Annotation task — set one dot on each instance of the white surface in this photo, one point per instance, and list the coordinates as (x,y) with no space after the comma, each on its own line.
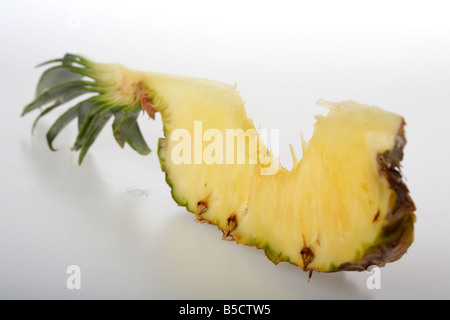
(114,216)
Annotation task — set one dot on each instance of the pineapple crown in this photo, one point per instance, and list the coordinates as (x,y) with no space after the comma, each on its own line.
(73,76)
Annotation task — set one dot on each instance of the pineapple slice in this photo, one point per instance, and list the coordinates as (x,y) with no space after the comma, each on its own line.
(343,206)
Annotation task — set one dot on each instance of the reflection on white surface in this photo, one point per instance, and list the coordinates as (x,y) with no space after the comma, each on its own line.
(136,246)
(141,245)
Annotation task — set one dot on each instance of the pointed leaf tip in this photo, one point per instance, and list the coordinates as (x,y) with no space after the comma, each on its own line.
(122,125)
(136,141)
(93,130)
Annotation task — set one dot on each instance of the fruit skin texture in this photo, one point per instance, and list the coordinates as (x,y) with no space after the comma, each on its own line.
(344,205)
(398,232)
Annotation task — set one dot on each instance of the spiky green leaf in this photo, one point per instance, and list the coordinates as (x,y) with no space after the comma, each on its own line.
(69,59)
(67,97)
(58,92)
(85,109)
(122,125)
(136,140)
(55,76)
(66,118)
(88,122)
(92,132)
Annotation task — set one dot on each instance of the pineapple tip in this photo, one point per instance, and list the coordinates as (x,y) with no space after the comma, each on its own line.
(327,104)
(304,143)
(294,156)
(24,110)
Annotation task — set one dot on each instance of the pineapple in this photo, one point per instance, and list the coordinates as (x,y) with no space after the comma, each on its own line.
(343,206)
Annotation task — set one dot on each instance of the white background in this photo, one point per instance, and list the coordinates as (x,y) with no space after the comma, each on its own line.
(114,216)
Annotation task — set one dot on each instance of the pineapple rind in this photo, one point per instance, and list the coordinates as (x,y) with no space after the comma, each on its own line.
(397,233)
